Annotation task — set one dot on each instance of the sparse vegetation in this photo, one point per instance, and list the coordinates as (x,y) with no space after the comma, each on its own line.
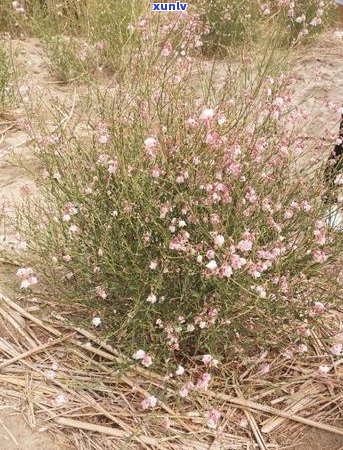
(240,22)
(6,78)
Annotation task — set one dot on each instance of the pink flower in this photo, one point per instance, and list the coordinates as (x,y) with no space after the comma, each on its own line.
(166,49)
(28,282)
(339,180)
(147,360)
(264,369)
(212,265)
(219,240)
(191,122)
(319,256)
(316,21)
(152,299)
(74,229)
(304,331)
(96,321)
(213,138)
(261,291)
(139,354)
(235,169)
(153,265)
(155,173)
(183,392)
(213,418)
(225,271)
(207,114)
(306,206)
(265,9)
(302,348)
(208,360)
(28,279)
(254,272)
(243,422)
(323,370)
(320,236)
(25,272)
(251,195)
(320,224)
(203,381)
(112,167)
(210,254)
(237,262)
(186,388)
(318,308)
(60,399)
(245,245)
(180,371)
(301,19)
(18,7)
(149,402)
(279,102)
(103,138)
(336,349)
(151,144)
(100,292)
(288,214)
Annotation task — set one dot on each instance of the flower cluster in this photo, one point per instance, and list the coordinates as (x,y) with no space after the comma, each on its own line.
(28,277)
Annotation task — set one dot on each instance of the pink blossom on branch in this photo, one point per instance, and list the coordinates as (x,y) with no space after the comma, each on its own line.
(213,418)
(149,402)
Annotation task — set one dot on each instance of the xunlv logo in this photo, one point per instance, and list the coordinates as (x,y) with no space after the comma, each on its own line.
(177,6)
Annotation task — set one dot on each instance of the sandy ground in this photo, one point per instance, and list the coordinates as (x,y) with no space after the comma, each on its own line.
(320,86)
(15,434)
(320,440)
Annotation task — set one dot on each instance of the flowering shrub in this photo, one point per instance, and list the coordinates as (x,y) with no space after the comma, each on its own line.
(182,222)
(78,36)
(232,23)
(73,59)
(22,16)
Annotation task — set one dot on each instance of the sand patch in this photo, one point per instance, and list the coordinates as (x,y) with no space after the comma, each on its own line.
(15,434)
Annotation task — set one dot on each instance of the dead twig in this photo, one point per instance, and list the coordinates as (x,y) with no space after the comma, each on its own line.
(35,350)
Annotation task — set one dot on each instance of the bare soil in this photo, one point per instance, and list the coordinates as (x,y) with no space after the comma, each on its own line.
(15,434)
(320,440)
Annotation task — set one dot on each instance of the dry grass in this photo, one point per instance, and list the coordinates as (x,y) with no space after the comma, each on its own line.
(104,390)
